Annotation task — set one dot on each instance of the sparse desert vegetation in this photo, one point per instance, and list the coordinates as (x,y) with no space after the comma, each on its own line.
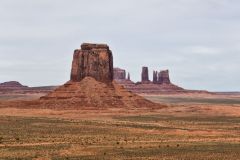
(175,132)
(161,83)
(186,99)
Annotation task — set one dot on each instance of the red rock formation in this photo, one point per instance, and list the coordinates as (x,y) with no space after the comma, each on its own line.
(92,60)
(91,84)
(92,93)
(145,76)
(119,73)
(12,85)
(161,84)
(128,77)
(155,77)
(164,77)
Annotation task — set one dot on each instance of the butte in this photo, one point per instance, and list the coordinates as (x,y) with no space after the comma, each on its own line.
(91,84)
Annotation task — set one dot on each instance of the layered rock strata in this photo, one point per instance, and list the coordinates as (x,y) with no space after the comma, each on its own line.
(119,74)
(91,84)
(164,77)
(92,60)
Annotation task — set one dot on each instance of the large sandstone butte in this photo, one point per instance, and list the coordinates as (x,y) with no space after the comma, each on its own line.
(92,60)
(91,84)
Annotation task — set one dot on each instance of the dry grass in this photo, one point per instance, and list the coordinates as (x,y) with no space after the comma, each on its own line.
(187,131)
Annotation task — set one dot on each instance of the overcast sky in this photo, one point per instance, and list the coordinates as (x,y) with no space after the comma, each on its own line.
(197,40)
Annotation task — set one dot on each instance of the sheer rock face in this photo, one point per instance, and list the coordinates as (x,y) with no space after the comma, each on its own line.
(164,77)
(92,60)
(119,74)
(145,76)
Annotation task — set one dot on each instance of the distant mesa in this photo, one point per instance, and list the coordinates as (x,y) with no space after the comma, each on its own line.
(91,83)
(12,86)
(160,84)
(119,74)
(161,77)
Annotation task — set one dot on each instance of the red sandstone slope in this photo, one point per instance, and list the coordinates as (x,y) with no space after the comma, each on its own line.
(92,93)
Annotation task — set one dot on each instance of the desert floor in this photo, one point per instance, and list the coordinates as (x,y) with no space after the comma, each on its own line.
(190,127)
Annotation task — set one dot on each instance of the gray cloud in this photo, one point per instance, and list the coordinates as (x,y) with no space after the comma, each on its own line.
(198,40)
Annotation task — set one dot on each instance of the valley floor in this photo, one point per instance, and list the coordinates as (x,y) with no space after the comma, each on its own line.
(188,131)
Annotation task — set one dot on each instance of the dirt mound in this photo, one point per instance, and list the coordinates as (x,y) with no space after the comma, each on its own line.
(92,93)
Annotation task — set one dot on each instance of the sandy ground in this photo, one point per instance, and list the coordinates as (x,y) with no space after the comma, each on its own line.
(189,125)
(176,109)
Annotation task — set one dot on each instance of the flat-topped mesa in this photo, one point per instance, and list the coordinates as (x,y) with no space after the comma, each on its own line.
(119,74)
(11,84)
(92,60)
(145,76)
(164,77)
